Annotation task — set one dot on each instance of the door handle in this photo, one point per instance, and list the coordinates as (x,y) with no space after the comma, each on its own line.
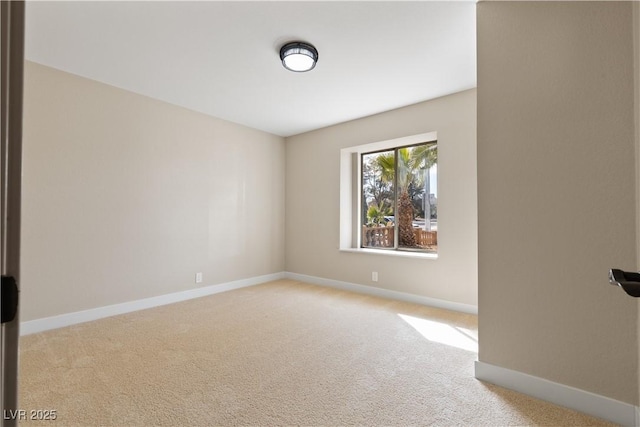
(9,298)
(627,280)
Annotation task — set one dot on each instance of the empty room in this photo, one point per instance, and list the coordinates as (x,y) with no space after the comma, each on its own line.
(320,213)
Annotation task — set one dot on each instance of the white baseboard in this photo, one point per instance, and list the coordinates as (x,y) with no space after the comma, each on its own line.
(54,322)
(68,319)
(384,293)
(580,400)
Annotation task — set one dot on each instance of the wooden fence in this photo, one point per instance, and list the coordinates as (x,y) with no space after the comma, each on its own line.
(426,238)
(382,237)
(378,237)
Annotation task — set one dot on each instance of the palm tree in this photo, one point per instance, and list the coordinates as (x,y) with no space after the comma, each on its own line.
(411,162)
(376,214)
(422,159)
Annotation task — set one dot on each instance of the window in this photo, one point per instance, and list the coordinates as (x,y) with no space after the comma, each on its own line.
(399,204)
(362,185)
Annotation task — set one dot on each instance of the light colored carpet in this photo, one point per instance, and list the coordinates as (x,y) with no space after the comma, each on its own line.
(282,353)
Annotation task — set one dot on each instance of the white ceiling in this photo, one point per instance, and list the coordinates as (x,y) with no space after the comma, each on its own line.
(221,58)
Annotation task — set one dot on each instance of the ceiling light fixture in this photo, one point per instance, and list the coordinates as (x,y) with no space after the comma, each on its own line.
(298,56)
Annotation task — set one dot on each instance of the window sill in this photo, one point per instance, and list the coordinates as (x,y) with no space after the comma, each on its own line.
(402,254)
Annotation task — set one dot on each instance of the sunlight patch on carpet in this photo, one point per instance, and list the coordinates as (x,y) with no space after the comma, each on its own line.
(442,333)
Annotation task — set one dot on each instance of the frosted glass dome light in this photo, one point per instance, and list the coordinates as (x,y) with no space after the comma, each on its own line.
(298,56)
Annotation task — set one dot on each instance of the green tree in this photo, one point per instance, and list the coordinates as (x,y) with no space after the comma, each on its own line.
(377,187)
(421,159)
(413,170)
(376,214)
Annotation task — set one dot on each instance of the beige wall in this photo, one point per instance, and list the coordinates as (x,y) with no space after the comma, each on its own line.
(556,192)
(125,197)
(313,202)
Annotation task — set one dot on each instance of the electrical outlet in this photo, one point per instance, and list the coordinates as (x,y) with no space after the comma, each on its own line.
(198,277)
(374,276)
